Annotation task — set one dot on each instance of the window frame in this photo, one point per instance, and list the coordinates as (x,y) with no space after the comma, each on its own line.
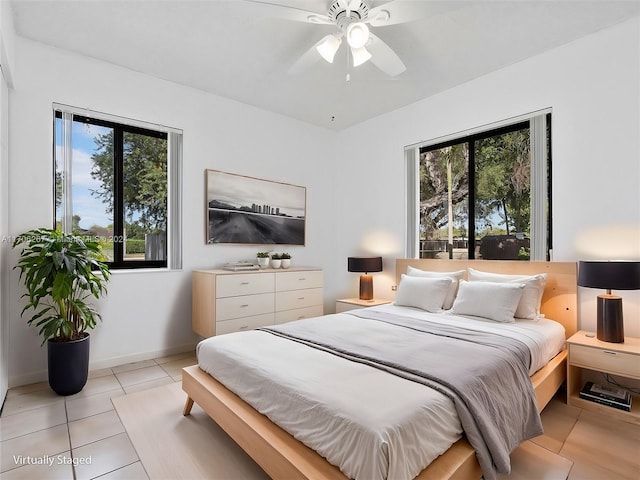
(120,127)
(540,174)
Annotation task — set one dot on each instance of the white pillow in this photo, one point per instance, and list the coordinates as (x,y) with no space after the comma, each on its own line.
(493,301)
(453,289)
(529,306)
(425,293)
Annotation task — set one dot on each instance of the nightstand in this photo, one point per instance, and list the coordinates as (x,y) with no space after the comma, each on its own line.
(345,304)
(620,359)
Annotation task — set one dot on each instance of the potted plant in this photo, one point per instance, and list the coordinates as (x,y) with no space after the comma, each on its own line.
(61,272)
(276,260)
(286,260)
(263,259)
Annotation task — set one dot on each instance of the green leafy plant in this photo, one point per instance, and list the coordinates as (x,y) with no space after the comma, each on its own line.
(61,272)
(262,255)
(523,254)
(276,256)
(285,256)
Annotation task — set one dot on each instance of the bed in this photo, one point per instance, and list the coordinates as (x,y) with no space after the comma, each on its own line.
(282,456)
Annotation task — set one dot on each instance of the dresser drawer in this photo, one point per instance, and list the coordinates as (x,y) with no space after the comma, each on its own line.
(245,284)
(245,306)
(298,299)
(245,323)
(299,314)
(604,360)
(298,280)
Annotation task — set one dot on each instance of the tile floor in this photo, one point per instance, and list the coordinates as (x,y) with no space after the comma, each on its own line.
(80,435)
(68,431)
(598,446)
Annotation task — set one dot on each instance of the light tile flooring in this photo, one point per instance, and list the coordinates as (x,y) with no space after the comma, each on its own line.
(70,431)
(598,446)
(80,435)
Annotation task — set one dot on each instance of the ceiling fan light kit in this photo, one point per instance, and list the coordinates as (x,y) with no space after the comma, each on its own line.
(352,19)
(360,56)
(328,46)
(357,34)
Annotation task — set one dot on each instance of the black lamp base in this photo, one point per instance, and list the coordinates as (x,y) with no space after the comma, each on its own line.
(366,287)
(610,327)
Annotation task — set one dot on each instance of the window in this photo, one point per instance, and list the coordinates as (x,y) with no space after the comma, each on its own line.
(483,195)
(119,181)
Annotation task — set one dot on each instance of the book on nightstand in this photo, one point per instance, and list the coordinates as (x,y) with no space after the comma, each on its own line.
(240,266)
(606,395)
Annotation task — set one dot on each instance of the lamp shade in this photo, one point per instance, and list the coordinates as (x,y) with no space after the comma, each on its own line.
(328,46)
(609,275)
(364,264)
(357,35)
(360,56)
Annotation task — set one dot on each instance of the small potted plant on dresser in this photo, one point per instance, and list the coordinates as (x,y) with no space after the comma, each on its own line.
(263,259)
(61,272)
(286,260)
(276,260)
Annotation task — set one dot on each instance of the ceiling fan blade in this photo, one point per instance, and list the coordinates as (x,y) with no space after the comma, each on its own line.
(309,58)
(383,57)
(395,12)
(288,13)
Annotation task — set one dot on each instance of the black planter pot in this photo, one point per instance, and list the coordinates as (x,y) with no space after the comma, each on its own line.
(68,365)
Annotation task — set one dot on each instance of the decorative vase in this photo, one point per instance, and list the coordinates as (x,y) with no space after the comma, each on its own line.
(275,263)
(68,364)
(263,262)
(286,263)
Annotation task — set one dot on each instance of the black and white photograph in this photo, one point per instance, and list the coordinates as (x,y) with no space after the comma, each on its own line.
(248,210)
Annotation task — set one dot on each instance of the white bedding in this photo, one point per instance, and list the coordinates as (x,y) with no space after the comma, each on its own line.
(372,424)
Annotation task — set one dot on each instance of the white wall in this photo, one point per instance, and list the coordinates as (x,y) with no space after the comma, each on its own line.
(147,313)
(593,87)
(6,66)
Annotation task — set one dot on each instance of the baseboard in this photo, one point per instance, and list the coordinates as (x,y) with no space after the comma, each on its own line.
(28,378)
(139,357)
(43,376)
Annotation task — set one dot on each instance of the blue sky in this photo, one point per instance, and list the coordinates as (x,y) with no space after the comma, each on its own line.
(90,209)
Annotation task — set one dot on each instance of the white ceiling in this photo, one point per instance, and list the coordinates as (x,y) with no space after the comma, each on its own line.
(237,49)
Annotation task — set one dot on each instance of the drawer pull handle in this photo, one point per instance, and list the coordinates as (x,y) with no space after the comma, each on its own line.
(300,298)
(245,305)
(302,279)
(608,352)
(244,283)
(244,327)
(301,317)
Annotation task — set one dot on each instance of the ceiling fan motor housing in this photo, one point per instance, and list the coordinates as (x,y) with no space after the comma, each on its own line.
(338,13)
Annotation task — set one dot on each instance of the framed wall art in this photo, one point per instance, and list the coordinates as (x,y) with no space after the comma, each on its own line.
(248,210)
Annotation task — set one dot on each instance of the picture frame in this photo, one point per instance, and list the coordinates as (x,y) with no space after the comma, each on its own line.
(246,210)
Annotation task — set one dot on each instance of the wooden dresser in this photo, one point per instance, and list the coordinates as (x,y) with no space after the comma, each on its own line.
(225,301)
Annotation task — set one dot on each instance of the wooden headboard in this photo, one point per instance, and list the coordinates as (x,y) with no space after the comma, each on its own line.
(559,301)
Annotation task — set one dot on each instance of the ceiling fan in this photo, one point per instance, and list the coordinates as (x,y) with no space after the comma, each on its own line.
(351,17)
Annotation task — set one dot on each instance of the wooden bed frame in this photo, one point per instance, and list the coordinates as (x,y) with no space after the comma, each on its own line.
(283,457)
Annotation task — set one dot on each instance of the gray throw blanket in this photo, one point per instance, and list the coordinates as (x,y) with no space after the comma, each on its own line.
(485,375)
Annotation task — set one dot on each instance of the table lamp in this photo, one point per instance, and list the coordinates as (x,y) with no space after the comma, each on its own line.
(365,265)
(609,276)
